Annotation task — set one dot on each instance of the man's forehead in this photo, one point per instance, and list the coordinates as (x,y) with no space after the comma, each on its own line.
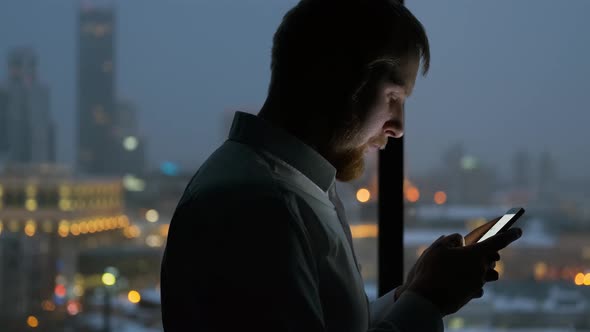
(403,72)
(409,70)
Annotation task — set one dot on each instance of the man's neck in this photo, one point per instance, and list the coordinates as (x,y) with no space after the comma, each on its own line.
(277,116)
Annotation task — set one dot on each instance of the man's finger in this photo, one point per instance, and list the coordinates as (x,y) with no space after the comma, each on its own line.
(478,294)
(451,241)
(494,257)
(492,275)
(500,240)
(492,265)
(477,233)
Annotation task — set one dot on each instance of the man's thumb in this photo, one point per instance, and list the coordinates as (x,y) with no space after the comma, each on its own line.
(452,241)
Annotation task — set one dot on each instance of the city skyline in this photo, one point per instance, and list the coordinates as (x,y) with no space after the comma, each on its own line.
(183,86)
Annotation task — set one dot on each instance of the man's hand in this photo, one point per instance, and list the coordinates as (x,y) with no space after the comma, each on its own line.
(470,239)
(412,273)
(450,274)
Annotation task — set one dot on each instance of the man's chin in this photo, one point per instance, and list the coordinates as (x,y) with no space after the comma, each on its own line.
(349,164)
(351,171)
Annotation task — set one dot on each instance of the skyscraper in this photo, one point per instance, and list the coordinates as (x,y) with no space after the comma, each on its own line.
(96,91)
(27,129)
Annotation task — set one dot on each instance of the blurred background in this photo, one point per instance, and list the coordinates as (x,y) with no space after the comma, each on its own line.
(107,108)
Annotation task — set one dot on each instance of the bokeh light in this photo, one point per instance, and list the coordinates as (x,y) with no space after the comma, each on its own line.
(32,321)
(412,194)
(108,279)
(152,215)
(579,279)
(134,296)
(363,195)
(440,197)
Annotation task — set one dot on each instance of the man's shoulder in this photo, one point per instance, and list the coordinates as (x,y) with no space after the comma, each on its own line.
(238,180)
(232,189)
(234,173)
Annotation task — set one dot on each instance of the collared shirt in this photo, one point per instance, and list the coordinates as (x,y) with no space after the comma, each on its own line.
(256,243)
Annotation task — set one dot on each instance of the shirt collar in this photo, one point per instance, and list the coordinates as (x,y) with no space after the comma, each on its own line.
(252,130)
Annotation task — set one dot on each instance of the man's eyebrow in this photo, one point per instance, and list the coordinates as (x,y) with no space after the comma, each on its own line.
(393,77)
(392,73)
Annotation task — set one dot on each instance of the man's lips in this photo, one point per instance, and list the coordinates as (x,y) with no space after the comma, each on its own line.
(375,147)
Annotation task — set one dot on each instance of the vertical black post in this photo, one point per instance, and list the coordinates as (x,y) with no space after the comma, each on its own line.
(390,240)
(107,309)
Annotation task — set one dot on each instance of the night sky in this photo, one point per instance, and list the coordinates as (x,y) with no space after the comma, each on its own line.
(505,75)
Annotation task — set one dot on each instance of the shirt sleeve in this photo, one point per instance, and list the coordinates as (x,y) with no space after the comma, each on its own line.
(379,307)
(411,312)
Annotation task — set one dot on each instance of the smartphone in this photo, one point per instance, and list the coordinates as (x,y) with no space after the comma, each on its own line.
(504,223)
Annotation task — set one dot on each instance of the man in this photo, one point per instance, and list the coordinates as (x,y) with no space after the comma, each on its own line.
(259,240)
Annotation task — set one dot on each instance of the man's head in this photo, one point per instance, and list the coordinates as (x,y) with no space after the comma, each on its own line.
(341,71)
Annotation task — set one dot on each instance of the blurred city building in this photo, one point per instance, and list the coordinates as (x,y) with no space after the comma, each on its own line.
(97,111)
(27,133)
(47,217)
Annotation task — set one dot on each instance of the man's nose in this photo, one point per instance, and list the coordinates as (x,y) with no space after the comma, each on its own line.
(394,128)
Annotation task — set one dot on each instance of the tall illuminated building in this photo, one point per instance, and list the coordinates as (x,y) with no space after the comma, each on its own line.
(27,131)
(96,91)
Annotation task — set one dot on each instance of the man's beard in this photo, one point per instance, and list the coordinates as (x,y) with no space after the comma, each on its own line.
(349,164)
(350,160)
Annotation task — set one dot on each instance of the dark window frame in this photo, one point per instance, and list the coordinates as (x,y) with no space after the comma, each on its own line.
(390,220)
(390,216)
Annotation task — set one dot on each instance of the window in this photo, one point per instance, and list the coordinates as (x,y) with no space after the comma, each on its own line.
(500,121)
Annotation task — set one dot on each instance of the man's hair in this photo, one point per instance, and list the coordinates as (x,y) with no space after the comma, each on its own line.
(331,48)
